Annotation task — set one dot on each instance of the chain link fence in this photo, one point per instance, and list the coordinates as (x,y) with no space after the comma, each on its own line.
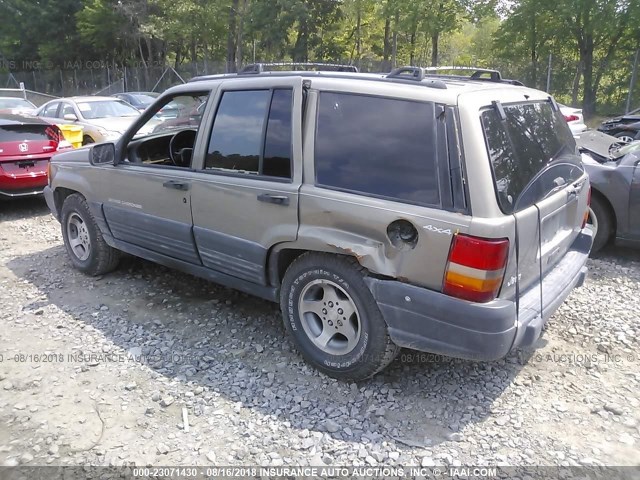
(99,78)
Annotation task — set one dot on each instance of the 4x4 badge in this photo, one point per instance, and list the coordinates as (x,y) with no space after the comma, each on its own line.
(433,229)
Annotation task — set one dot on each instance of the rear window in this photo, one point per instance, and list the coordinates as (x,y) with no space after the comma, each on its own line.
(25,133)
(532,152)
(377,146)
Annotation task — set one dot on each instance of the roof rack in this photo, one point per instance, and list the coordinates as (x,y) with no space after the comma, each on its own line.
(478,74)
(257,68)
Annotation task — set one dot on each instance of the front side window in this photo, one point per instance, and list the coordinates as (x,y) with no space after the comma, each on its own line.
(252,133)
(377,146)
(66,109)
(169,140)
(532,153)
(50,110)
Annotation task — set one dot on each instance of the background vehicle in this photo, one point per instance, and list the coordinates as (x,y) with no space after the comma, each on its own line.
(16,105)
(26,145)
(574,118)
(102,118)
(614,172)
(625,127)
(380,211)
(139,100)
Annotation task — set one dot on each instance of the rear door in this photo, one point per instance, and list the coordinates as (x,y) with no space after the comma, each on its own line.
(245,199)
(539,180)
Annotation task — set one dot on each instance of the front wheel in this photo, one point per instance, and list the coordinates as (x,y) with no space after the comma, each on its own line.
(626,137)
(333,318)
(83,240)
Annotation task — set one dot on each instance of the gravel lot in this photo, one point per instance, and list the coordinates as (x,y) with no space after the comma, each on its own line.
(102,370)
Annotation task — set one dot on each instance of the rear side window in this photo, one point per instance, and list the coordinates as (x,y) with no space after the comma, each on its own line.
(377,146)
(532,153)
(252,133)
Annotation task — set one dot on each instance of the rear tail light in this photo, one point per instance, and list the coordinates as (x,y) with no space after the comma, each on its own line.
(475,268)
(571,118)
(586,214)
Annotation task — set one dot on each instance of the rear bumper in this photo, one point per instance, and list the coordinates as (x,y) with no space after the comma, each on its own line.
(430,321)
(16,183)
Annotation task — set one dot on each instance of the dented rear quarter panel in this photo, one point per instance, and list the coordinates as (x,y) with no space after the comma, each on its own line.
(356,225)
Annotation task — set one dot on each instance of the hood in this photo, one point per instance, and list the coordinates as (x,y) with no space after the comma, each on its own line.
(604,145)
(114,124)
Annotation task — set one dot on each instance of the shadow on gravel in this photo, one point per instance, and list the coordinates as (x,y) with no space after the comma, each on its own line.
(17,208)
(234,346)
(618,254)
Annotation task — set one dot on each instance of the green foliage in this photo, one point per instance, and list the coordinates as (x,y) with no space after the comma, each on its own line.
(591,42)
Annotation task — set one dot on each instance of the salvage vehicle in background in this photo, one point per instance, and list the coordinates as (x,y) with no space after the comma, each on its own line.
(16,105)
(614,171)
(381,211)
(139,100)
(624,127)
(26,145)
(574,118)
(102,118)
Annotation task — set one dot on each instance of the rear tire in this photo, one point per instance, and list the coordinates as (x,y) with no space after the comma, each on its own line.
(83,240)
(600,218)
(333,318)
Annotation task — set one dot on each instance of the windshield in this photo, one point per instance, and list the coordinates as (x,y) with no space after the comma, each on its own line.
(105,109)
(532,153)
(15,103)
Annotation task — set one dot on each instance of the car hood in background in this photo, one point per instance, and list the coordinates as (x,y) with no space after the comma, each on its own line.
(601,144)
(114,124)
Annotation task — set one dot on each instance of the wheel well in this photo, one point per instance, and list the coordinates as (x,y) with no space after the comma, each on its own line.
(59,196)
(607,204)
(279,262)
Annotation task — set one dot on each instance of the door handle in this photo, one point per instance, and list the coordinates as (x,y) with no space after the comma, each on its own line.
(276,199)
(176,185)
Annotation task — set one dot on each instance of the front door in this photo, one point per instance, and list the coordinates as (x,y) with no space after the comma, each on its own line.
(245,199)
(151,209)
(147,200)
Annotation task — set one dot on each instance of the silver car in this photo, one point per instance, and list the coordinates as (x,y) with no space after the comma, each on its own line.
(442,214)
(102,118)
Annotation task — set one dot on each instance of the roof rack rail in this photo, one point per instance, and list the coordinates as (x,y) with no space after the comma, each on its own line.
(415,74)
(477,74)
(257,68)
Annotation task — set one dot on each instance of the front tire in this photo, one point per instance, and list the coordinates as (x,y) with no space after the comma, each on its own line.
(333,318)
(87,140)
(626,137)
(83,240)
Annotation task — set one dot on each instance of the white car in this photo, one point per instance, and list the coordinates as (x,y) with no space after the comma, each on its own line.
(574,118)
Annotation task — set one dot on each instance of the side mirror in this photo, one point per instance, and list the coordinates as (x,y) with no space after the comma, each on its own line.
(70,117)
(103,154)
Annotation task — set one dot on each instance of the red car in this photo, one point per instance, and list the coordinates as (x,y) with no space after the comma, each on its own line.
(26,145)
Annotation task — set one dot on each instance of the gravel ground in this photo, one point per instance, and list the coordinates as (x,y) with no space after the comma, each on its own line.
(102,371)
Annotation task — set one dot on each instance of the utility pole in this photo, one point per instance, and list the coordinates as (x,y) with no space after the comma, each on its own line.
(549,73)
(632,84)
